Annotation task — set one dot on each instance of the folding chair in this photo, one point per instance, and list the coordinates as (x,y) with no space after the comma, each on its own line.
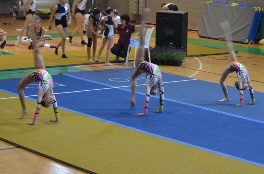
(135,43)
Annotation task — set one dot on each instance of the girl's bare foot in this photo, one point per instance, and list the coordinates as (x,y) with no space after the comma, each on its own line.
(224,99)
(90,60)
(96,60)
(108,64)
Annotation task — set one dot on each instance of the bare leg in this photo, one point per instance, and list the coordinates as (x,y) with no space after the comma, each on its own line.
(89,35)
(228,37)
(29,18)
(101,49)
(39,63)
(94,45)
(80,22)
(63,37)
(222,82)
(41,44)
(59,44)
(10,44)
(2,35)
(109,45)
(141,50)
(23,83)
(75,31)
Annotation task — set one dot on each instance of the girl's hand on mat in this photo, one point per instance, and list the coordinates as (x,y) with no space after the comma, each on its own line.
(157,111)
(140,114)
(24,113)
(133,103)
(54,121)
(238,105)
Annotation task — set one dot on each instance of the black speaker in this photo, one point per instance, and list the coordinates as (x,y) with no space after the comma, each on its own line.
(172,29)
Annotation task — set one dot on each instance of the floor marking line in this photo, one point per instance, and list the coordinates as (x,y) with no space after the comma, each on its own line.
(90,90)
(200,68)
(149,133)
(175,101)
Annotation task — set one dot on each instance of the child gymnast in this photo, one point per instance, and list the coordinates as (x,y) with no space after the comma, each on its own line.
(234,66)
(153,73)
(45,89)
(109,23)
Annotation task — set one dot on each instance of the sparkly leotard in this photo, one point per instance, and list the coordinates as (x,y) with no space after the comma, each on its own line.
(154,75)
(43,78)
(45,82)
(152,71)
(238,68)
(242,74)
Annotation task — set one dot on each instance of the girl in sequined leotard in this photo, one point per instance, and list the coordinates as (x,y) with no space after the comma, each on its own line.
(154,76)
(242,74)
(45,89)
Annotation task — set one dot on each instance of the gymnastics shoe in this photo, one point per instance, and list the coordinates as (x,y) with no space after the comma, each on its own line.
(3,44)
(56,50)
(83,42)
(64,56)
(70,37)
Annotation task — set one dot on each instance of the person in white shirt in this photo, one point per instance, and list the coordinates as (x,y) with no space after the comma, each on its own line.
(117,18)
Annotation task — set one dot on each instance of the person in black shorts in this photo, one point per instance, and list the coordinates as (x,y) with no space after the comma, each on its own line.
(60,11)
(79,15)
(29,9)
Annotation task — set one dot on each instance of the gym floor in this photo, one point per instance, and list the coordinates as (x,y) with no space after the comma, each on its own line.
(195,134)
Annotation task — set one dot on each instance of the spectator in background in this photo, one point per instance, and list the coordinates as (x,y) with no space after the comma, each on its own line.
(125,30)
(40,31)
(78,13)
(92,27)
(3,42)
(59,12)
(29,9)
(117,18)
(169,6)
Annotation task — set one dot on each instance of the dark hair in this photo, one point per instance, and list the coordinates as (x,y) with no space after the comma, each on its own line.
(96,11)
(103,13)
(108,10)
(116,12)
(163,4)
(125,17)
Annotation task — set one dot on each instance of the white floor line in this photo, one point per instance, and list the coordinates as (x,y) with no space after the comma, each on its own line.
(200,68)
(89,90)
